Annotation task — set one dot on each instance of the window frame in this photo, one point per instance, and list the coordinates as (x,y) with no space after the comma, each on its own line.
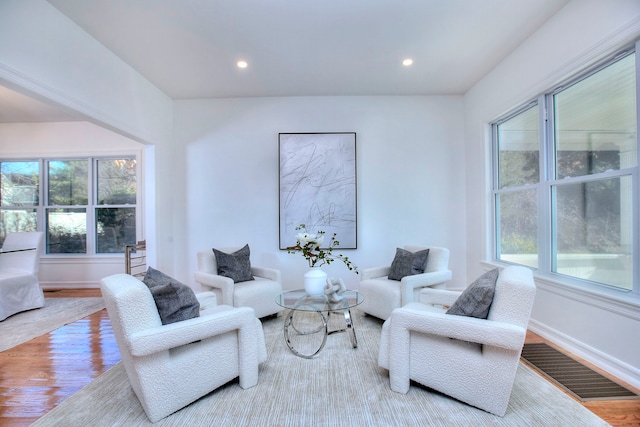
(92,202)
(548,180)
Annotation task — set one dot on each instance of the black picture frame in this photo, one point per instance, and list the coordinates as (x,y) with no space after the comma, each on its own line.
(318,186)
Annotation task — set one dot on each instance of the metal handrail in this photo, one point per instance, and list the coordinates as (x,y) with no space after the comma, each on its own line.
(135,259)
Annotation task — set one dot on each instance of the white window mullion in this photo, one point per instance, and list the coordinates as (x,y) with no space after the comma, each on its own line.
(635,182)
(544,190)
(91,202)
(495,224)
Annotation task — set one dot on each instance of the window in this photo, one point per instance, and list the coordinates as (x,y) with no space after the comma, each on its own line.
(19,196)
(116,193)
(88,206)
(516,199)
(565,179)
(66,227)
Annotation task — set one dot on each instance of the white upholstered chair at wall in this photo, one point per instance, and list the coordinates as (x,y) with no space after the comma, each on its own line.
(19,284)
(382,295)
(171,365)
(259,293)
(471,359)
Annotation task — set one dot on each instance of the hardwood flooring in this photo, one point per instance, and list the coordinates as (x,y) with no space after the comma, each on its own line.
(622,413)
(38,375)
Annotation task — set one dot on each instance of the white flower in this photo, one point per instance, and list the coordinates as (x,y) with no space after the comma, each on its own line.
(310,247)
(313,239)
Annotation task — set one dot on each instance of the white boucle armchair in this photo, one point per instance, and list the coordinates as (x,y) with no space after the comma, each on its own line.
(473,360)
(382,296)
(170,366)
(259,294)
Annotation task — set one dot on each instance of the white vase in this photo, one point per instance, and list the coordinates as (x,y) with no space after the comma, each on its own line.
(314,281)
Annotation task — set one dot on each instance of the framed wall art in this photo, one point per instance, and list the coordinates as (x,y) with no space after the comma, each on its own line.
(318,185)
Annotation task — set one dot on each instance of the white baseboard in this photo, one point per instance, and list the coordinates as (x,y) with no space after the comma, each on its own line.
(69,285)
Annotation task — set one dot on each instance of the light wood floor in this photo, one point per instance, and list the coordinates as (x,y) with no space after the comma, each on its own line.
(38,375)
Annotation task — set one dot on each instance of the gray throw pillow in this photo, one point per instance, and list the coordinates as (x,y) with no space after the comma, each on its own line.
(174,300)
(407,263)
(476,300)
(236,266)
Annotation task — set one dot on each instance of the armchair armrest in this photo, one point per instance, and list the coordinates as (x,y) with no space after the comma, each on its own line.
(409,283)
(443,297)
(225,285)
(166,337)
(373,272)
(482,331)
(407,319)
(267,273)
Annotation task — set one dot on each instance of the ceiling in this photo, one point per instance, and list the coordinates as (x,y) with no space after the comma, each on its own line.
(18,108)
(189,48)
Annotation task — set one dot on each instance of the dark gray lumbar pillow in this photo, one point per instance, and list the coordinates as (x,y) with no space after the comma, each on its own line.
(407,263)
(476,300)
(174,300)
(236,266)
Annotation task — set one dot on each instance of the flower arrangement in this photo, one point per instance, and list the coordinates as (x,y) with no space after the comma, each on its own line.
(316,256)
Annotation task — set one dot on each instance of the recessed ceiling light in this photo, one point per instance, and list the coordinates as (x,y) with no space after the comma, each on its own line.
(242,64)
(407,62)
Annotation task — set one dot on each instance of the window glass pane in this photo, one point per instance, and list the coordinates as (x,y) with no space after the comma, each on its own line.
(596,123)
(66,231)
(116,228)
(518,152)
(593,231)
(68,182)
(19,183)
(12,221)
(518,227)
(117,182)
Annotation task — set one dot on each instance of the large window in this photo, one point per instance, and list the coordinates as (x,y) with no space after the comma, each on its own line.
(516,201)
(87,205)
(19,196)
(565,187)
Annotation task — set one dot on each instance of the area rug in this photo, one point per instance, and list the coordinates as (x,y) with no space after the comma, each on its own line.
(341,386)
(57,312)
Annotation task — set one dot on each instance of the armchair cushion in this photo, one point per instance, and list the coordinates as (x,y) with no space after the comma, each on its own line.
(476,300)
(236,266)
(174,300)
(406,263)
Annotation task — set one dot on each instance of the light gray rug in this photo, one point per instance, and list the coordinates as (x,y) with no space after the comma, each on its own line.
(57,312)
(342,386)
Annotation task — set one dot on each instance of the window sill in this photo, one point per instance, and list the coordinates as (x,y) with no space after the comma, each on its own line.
(621,302)
(81,259)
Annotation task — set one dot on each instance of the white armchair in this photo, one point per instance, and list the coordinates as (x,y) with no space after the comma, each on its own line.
(382,296)
(473,360)
(19,286)
(259,294)
(170,366)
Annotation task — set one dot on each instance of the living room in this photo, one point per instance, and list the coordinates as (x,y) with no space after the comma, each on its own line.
(423,161)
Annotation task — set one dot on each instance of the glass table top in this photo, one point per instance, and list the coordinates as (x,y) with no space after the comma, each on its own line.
(300,300)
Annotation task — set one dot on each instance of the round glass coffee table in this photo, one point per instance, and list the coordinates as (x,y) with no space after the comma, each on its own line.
(308,322)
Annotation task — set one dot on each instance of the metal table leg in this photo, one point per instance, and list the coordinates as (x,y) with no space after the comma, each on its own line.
(290,329)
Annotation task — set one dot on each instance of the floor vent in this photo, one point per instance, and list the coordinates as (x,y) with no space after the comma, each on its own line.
(579,380)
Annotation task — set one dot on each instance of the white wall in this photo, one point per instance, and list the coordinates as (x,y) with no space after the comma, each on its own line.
(410,175)
(35,140)
(601,328)
(418,181)
(44,55)
(43,52)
